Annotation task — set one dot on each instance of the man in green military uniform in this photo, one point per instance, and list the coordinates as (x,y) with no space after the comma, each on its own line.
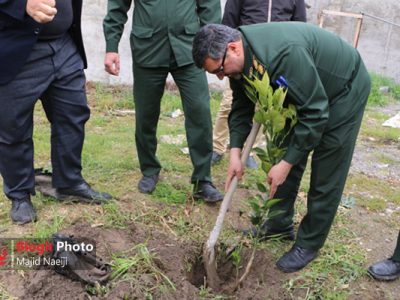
(327,82)
(161,41)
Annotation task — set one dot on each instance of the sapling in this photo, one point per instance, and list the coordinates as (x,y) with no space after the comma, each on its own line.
(277,119)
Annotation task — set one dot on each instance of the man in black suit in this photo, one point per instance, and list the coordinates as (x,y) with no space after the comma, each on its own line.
(42,57)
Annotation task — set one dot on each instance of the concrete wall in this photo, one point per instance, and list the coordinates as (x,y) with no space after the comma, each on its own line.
(379,41)
(378,44)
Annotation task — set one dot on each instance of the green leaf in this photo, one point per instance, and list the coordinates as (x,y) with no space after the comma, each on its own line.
(277,121)
(270,96)
(275,213)
(255,206)
(269,203)
(261,187)
(262,87)
(279,98)
(261,153)
(255,219)
(266,166)
(259,117)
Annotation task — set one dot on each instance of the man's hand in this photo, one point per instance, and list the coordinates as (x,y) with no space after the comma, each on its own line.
(277,175)
(42,11)
(235,167)
(111,63)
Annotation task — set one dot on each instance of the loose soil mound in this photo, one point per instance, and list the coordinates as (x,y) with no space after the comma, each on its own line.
(179,261)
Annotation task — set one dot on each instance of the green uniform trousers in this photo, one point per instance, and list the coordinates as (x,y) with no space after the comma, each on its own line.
(396,254)
(148,89)
(329,167)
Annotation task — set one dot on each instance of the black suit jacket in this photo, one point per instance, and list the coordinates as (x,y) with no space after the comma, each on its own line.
(19,32)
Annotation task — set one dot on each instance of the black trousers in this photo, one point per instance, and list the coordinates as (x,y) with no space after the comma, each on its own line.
(54,74)
(396,254)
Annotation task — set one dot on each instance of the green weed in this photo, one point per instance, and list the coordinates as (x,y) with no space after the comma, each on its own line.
(169,194)
(332,272)
(5,295)
(134,265)
(377,98)
(372,128)
(46,228)
(114,217)
(371,193)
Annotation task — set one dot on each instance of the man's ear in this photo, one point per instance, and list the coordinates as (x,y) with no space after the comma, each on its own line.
(234,47)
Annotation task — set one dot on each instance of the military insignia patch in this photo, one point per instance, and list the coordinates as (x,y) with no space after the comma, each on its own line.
(261,69)
(251,72)
(255,63)
(257,69)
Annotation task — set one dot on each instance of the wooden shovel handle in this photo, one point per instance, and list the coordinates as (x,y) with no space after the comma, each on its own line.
(212,240)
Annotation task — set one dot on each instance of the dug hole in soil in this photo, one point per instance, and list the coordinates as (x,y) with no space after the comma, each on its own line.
(180,261)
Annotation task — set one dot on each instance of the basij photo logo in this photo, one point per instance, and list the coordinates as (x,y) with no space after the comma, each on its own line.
(33,254)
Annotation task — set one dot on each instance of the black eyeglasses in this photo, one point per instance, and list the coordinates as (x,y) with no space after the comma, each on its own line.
(221,67)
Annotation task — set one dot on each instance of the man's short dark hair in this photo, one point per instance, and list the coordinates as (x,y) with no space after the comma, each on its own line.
(211,41)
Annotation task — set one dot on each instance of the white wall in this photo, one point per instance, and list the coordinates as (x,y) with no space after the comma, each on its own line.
(378,45)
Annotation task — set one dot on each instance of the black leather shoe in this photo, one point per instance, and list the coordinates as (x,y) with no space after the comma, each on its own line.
(82,193)
(204,190)
(296,259)
(148,184)
(266,233)
(22,211)
(216,157)
(386,270)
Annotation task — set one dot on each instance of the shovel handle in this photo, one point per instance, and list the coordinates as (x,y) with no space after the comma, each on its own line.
(212,240)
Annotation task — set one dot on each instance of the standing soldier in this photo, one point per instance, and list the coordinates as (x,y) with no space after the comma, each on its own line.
(161,40)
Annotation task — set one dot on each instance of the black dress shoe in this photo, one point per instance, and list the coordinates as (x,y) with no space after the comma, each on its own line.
(296,259)
(267,233)
(148,184)
(205,190)
(22,211)
(386,270)
(216,157)
(82,193)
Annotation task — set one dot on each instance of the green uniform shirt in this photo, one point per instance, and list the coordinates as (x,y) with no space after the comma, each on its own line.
(159,28)
(318,67)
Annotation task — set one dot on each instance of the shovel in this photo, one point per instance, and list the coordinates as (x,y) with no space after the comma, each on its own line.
(210,265)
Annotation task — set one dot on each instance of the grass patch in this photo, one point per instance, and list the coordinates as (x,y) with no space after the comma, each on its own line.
(376,97)
(106,97)
(384,158)
(44,229)
(115,218)
(141,268)
(340,263)
(372,193)
(4,295)
(372,128)
(167,193)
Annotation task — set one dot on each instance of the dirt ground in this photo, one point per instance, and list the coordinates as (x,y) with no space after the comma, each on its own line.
(180,260)
(173,258)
